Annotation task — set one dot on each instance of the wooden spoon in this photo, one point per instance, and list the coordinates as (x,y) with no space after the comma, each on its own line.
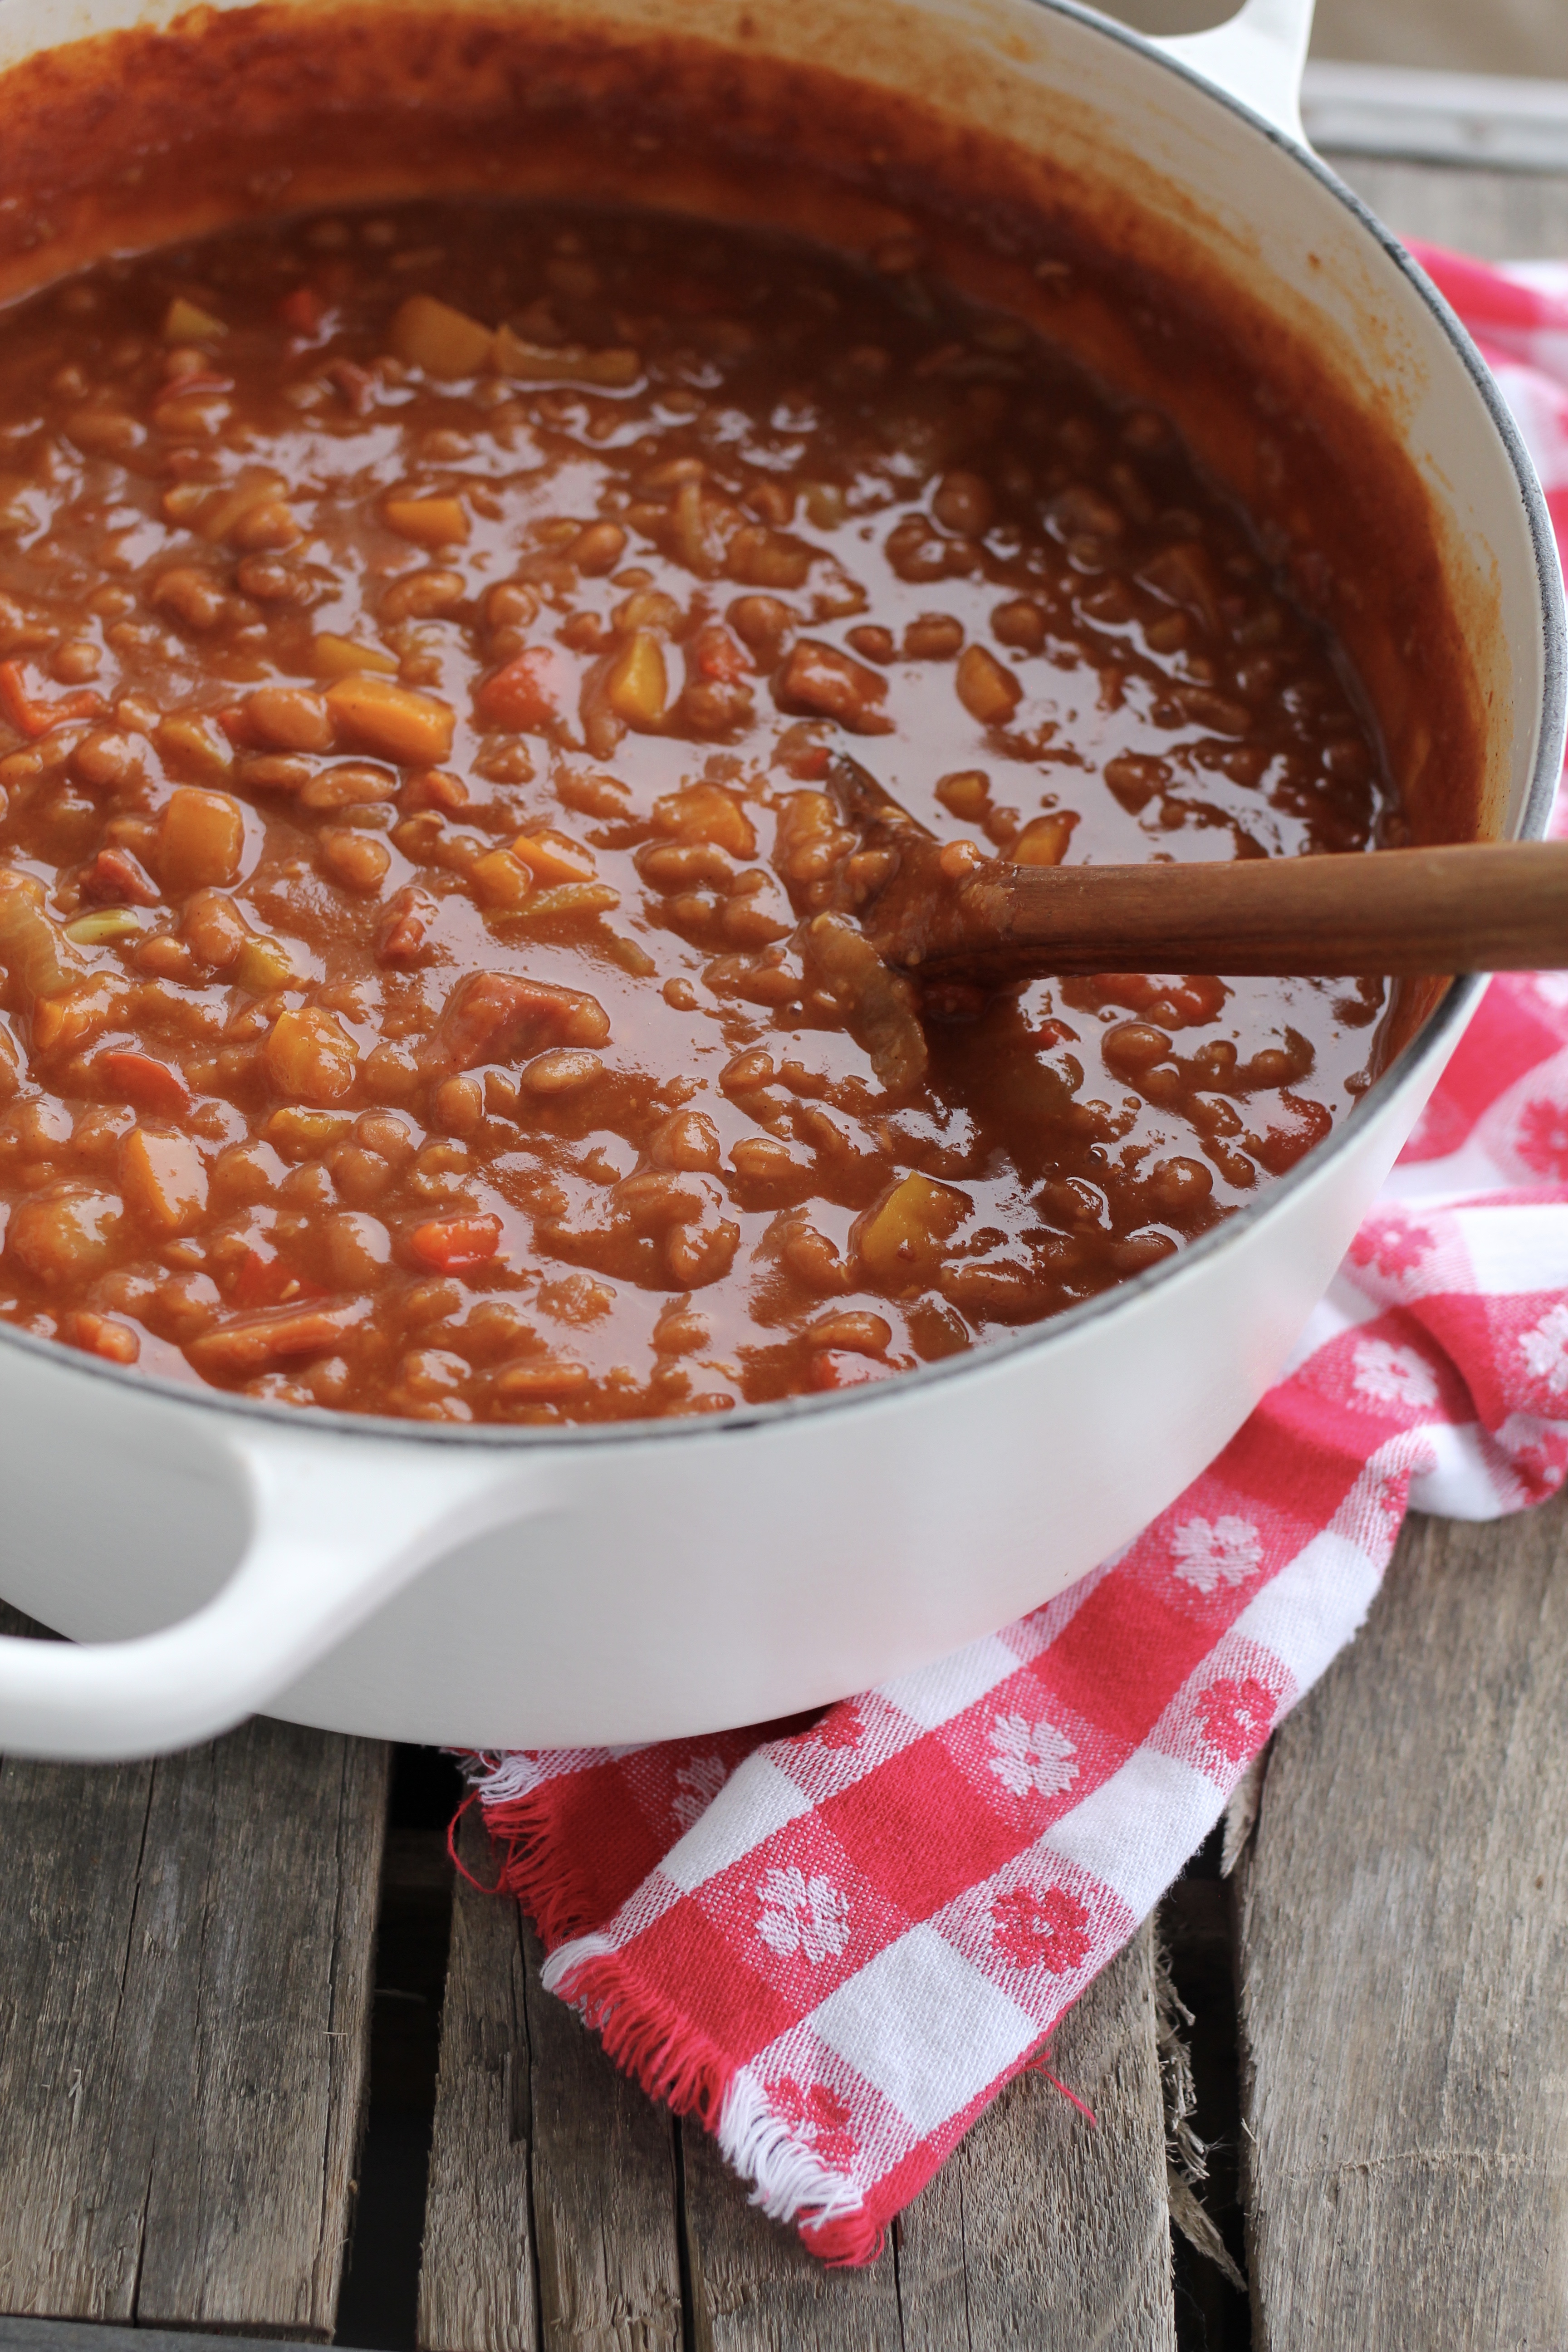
(950,914)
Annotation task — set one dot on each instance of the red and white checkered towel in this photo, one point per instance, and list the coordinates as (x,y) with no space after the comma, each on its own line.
(837,1943)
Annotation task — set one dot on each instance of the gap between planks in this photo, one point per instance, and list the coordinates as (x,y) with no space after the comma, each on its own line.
(559,2215)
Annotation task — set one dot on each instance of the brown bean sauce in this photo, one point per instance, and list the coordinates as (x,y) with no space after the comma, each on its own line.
(423,638)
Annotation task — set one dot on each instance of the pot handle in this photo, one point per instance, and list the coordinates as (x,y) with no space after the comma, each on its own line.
(1258,56)
(330,1539)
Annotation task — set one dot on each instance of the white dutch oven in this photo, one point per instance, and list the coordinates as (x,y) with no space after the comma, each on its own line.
(494,1588)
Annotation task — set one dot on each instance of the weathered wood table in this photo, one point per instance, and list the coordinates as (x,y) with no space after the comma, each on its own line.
(213,1968)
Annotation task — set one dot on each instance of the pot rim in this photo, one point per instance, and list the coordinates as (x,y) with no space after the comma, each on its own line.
(1125,1296)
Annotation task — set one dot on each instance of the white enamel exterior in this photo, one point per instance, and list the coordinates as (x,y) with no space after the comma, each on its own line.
(502,1589)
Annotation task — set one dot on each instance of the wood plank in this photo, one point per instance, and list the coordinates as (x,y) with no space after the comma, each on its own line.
(753,2286)
(1498,215)
(1040,2229)
(477,2291)
(93,2335)
(551,2218)
(1403,1932)
(185,1987)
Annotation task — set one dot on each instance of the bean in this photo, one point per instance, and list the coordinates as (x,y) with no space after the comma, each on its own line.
(424,595)
(598,548)
(358,1249)
(759,1159)
(963,502)
(273,582)
(104,758)
(1019,623)
(459,1105)
(686,1140)
(290,717)
(935,636)
(561,1071)
(192,595)
(541,1377)
(310,1058)
(819,678)
(357,860)
(1180,1183)
(988,691)
(862,1334)
(62,1234)
(764,624)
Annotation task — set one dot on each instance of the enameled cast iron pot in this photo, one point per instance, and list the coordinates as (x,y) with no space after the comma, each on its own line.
(491,1587)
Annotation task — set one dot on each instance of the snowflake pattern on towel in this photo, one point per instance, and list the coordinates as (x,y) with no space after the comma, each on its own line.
(1385,1374)
(808,1915)
(1207,1555)
(697,1783)
(1041,1931)
(1545,1350)
(1032,1756)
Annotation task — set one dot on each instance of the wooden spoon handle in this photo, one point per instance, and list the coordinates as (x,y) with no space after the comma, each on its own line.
(1489,907)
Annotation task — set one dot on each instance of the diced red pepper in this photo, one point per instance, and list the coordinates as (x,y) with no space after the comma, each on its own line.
(716,655)
(115,878)
(453,1243)
(101,1335)
(356,384)
(526,693)
(151,1085)
(434,788)
(840,1367)
(304,310)
(36,718)
(268,1280)
(1294,1129)
(401,935)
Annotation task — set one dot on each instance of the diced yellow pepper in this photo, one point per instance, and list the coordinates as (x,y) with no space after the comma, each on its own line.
(707,813)
(162,1180)
(1044,840)
(966,795)
(264,965)
(428,522)
(986,687)
(187,322)
(102,929)
(311,1056)
(615,369)
(195,746)
(575,898)
(443,341)
(553,856)
(501,880)
(300,1134)
(900,1240)
(393,720)
(346,657)
(201,841)
(637,687)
